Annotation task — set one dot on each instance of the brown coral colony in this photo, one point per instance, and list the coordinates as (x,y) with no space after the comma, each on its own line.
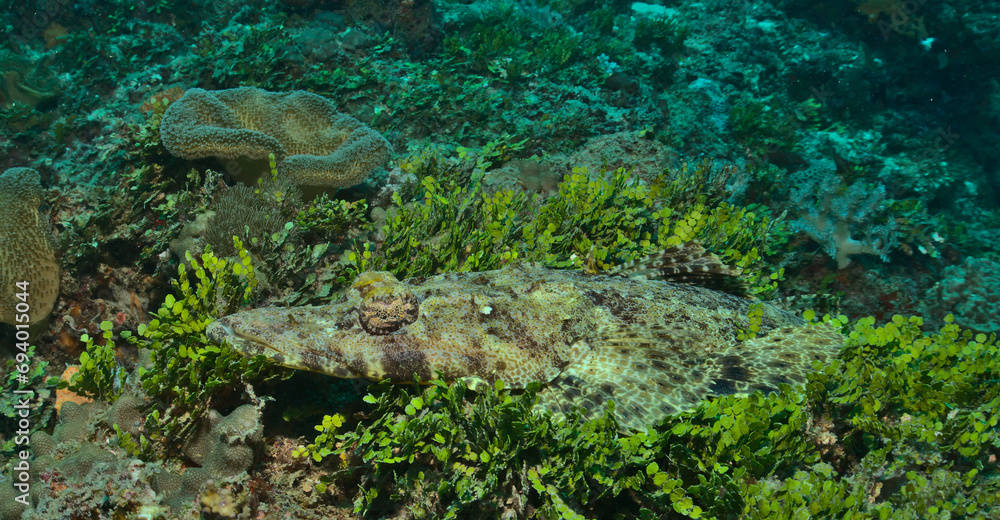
(27,251)
(313,144)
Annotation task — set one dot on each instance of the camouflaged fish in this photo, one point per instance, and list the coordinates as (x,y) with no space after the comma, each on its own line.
(657,342)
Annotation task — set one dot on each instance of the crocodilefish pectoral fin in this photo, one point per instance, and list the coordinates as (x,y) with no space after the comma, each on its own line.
(652,372)
(649,371)
(474,383)
(687,263)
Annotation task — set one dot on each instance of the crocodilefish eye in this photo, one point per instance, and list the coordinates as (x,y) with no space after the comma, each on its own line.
(383,315)
(386,304)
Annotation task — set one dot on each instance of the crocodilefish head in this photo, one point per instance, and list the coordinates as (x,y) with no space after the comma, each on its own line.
(380,329)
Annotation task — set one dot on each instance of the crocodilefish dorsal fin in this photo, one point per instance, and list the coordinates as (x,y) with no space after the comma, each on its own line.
(654,371)
(687,263)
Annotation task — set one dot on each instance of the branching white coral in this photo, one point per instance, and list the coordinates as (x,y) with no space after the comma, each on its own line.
(843,220)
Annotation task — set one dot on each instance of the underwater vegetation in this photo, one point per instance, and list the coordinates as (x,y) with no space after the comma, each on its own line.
(832,449)
(183,366)
(170,163)
(593,221)
(921,426)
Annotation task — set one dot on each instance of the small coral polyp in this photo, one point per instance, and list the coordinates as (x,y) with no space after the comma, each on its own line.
(313,143)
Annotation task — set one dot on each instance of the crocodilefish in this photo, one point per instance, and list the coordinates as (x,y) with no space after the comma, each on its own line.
(658,336)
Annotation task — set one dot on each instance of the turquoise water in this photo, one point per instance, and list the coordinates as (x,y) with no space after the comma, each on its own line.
(167,163)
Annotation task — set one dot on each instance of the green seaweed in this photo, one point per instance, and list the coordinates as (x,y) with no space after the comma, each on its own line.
(332,217)
(101,375)
(593,221)
(24,372)
(666,33)
(904,426)
(763,126)
(473,232)
(185,367)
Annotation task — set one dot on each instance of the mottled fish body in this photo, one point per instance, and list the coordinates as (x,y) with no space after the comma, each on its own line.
(655,347)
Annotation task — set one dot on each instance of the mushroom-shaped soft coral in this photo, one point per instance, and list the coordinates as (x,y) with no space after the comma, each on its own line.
(29,273)
(314,145)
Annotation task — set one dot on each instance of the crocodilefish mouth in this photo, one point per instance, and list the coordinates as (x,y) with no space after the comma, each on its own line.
(219,331)
(270,332)
(222,331)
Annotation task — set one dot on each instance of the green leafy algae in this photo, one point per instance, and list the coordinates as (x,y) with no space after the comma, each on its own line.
(904,426)
(186,367)
(593,221)
(179,364)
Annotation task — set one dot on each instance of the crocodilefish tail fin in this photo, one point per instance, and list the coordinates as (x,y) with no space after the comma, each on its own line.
(652,372)
(782,356)
(687,263)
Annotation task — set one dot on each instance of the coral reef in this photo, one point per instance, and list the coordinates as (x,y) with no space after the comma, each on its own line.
(314,145)
(10,509)
(29,273)
(221,502)
(219,443)
(23,81)
(575,133)
(73,465)
(414,22)
(844,220)
(635,151)
(970,291)
(254,214)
